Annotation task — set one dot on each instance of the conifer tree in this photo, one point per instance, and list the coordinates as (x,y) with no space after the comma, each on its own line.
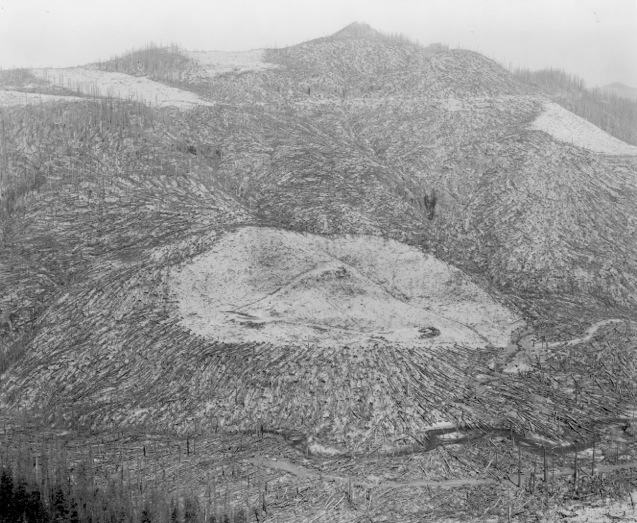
(74,516)
(146,514)
(59,509)
(6,495)
(20,499)
(36,512)
(191,513)
(174,514)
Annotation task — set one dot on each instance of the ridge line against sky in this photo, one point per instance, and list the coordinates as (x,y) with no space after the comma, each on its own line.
(594,39)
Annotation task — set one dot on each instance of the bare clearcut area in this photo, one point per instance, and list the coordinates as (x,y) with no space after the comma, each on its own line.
(119,85)
(262,284)
(567,127)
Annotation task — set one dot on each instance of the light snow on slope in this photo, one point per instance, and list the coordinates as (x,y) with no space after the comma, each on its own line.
(9,98)
(602,511)
(275,286)
(219,62)
(567,127)
(119,85)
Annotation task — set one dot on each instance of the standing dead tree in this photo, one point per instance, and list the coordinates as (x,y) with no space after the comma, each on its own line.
(7,320)
(428,204)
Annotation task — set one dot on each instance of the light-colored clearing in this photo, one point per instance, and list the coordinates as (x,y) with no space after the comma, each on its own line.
(567,127)
(214,63)
(10,98)
(267,285)
(119,85)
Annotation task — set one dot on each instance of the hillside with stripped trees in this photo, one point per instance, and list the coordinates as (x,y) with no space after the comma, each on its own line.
(313,283)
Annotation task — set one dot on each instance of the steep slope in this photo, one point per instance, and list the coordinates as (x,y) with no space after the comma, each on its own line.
(356,131)
(112,210)
(93,183)
(91,81)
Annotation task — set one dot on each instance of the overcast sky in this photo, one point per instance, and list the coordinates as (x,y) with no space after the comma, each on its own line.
(595,39)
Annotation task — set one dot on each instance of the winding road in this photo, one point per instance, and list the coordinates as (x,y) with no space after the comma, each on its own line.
(530,344)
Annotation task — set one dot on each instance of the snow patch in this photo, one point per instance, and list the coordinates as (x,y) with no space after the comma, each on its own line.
(317,449)
(119,85)
(439,425)
(268,285)
(567,127)
(11,98)
(599,512)
(214,63)
(517,367)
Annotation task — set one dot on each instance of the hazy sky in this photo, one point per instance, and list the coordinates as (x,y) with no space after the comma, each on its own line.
(595,39)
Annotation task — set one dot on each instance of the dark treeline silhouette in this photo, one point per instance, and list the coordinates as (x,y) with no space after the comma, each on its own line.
(29,502)
(46,488)
(614,114)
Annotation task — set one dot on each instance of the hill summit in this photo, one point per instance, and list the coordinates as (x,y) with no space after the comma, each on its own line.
(623,90)
(357,30)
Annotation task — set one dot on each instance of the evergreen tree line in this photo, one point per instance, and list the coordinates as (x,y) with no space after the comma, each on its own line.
(49,490)
(24,501)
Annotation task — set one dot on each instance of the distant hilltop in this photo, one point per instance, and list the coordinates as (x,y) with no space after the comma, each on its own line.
(622,90)
(357,30)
